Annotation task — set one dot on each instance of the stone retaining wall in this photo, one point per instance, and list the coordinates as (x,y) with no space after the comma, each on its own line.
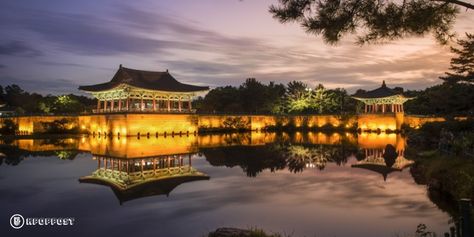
(146,124)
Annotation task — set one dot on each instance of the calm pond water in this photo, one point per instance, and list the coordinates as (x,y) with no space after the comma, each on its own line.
(305,184)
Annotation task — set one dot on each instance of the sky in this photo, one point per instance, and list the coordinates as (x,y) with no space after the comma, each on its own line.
(53,46)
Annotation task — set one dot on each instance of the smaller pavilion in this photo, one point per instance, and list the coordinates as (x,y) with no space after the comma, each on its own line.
(382,100)
(132,90)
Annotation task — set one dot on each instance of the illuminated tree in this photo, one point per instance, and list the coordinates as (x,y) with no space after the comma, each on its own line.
(371,20)
(298,97)
(324,101)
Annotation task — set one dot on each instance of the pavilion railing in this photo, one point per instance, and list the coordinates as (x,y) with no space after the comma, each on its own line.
(145,110)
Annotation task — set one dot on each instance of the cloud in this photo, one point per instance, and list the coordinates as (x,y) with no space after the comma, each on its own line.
(44,86)
(76,65)
(87,34)
(18,48)
(197,53)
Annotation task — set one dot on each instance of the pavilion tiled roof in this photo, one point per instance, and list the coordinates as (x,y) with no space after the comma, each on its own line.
(162,81)
(380,92)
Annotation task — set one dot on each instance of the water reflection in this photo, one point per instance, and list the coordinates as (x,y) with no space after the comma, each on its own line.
(382,156)
(253,152)
(302,181)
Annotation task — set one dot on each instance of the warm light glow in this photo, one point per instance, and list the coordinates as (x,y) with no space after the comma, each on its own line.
(143,124)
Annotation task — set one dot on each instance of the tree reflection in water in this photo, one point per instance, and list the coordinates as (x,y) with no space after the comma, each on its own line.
(278,156)
(300,157)
(253,152)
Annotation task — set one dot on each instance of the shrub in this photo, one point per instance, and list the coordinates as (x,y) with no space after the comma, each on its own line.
(236,123)
(60,126)
(8,127)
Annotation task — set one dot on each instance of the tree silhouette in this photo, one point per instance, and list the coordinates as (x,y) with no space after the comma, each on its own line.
(462,65)
(371,20)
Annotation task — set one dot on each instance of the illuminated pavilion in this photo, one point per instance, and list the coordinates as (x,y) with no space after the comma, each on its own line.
(382,100)
(132,90)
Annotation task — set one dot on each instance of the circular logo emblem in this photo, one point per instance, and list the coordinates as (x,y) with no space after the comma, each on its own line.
(17,221)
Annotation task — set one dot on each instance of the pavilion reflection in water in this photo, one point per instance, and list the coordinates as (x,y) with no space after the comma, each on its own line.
(135,168)
(132,178)
(382,153)
(128,165)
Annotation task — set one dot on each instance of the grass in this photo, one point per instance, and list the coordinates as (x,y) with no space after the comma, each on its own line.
(452,174)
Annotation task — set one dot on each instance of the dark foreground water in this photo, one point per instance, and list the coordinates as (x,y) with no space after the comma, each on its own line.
(301,184)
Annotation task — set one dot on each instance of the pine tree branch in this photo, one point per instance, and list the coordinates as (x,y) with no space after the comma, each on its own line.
(458,2)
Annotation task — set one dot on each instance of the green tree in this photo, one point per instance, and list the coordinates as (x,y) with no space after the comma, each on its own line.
(324,101)
(67,104)
(462,65)
(298,97)
(2,94)
(222,99)
(443,99)
(252,93)
(371,20)
(273,99)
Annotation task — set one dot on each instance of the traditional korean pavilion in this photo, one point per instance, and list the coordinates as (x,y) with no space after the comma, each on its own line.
(382,100)
(143,91)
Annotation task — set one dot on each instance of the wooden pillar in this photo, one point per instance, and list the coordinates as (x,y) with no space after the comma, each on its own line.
(112,103)
(98,105)
(142,106)
(120,104)
(154,104)
(179,104)
(105,105)
(383,108)
(169,104)
(365,108)
(98,162)
(392,109)
(401,108)
(190,106)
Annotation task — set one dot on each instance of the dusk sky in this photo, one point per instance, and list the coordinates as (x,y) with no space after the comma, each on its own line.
(53,46)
